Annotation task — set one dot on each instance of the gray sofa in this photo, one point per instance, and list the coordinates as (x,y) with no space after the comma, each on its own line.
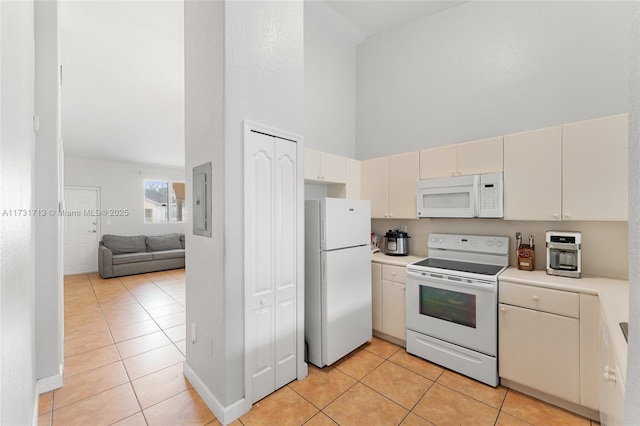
(123,255)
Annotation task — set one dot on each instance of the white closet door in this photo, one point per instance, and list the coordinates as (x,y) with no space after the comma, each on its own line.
(271,261)
(259,256)
(285,261)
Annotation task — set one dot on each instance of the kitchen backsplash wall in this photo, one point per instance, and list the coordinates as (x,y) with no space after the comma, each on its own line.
(604,244)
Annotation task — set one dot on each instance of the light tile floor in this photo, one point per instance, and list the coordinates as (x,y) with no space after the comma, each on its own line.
(124,349)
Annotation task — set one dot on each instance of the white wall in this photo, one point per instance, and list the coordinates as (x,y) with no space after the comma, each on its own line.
(330,89)
(483,69)
(18,399)
(122,187)
(48,191)
(260,47)
(632,395)
(204,142)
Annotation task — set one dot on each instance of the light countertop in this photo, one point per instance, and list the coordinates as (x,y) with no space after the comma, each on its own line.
(613,295)
(403,261)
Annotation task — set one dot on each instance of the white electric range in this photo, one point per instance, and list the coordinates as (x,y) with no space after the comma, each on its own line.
(452,303)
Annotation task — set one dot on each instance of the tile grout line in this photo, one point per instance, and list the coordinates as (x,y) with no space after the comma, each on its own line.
(117,351)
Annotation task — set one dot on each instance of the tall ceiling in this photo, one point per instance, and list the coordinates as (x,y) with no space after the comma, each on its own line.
(123,80)
(123,70)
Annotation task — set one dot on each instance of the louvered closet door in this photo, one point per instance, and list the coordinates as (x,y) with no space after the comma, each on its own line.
(270,254)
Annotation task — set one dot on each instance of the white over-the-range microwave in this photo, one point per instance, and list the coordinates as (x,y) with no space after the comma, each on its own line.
(461,196)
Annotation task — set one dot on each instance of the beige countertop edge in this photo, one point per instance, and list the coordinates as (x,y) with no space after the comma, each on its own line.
(403,261)
(613,294)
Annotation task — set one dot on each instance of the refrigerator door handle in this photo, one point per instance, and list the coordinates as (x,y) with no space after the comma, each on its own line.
(323,269)
(322,232)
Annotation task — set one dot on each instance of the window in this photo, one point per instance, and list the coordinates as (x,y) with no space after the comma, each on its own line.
(164,201)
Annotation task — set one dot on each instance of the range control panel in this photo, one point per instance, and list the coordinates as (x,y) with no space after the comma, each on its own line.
(472,243)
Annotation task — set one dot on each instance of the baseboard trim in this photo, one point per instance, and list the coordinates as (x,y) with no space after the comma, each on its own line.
(558,402)
(50,383)
(225,415)
(36,407)
(391,339)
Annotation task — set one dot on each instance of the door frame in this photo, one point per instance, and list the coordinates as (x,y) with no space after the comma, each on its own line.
(98,206)
(302,367)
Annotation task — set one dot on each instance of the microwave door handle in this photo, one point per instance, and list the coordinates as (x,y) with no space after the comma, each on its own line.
(476,196)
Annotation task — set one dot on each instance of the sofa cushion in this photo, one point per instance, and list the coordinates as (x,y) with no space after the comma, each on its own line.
(163,242)
(122,258)
(182,240)
(121,244)
(168,254)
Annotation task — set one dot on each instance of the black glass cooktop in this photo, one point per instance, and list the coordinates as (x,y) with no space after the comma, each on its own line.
(453,265)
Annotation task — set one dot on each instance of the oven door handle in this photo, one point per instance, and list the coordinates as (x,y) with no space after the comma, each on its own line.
(451,281)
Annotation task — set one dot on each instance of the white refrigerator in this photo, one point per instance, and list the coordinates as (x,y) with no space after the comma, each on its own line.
(337,277)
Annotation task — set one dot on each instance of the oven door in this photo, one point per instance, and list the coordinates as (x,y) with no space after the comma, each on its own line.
(462,311)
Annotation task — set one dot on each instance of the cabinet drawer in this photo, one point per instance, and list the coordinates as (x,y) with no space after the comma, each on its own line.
(541,299)
(393,273)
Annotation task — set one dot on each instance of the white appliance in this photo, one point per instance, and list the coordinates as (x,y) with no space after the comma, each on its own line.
(452,303)
(461,196)
(337,277)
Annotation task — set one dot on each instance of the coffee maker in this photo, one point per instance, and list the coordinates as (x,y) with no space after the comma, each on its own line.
(564,253)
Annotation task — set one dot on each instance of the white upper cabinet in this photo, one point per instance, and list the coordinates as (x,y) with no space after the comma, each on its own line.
(404,170)
(390,184)
(482,156)
(595,169)
(324,167)
(577,171)
(532,175)
(438,162)
(375,185)
(311,164)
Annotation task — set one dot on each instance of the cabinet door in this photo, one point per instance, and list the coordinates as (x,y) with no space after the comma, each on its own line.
(403,177)
(611,387)
(353,179)
(312,165)
(589,351)
(375,178)
(376,296)
(438,162)
(333,168)
(540,350)
(393,309)
(483,156)
(533,175)
(594,162)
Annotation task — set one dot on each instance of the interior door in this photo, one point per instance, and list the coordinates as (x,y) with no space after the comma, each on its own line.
(271,261)
(259,257)
(285,198)
(81,230)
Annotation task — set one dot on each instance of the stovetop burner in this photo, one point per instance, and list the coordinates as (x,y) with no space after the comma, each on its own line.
(453,265)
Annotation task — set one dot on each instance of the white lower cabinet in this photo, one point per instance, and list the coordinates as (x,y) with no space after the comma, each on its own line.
(540,350)
(611,384)
(548,342)
(388,286)
(376,295)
